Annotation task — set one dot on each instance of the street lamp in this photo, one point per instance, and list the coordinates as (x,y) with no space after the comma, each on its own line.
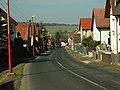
(33,35)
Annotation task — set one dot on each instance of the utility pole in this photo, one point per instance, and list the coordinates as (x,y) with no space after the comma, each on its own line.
(8,27)
(33,35)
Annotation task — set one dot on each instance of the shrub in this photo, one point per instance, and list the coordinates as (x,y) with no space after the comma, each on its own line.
(89,42)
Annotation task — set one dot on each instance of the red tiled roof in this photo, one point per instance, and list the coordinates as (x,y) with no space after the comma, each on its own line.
(98,15)
(22,28)
(86,23)
(115,9)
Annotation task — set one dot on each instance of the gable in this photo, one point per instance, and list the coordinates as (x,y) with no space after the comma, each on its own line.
(114,5)
(101,21)
(86,23)
(4,15)
(109,5)
(23,30)
(107,9)
(116,11)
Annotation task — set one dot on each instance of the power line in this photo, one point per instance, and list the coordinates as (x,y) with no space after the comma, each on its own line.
(17,11)
(2,4)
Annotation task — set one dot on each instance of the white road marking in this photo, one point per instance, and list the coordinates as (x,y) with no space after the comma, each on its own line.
(79,75)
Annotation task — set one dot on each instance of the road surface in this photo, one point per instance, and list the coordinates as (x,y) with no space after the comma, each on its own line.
(60,71)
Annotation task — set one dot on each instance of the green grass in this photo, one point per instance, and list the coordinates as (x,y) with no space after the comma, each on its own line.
(54,29)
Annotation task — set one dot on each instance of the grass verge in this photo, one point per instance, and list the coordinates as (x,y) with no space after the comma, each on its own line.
(91,61)
(16,77)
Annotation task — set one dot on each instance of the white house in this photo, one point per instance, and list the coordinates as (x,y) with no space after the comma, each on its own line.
(100,26)
(112,11)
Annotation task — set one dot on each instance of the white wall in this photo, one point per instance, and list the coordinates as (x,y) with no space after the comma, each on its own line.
(113,33)
(81,34)
(89,32)
(96,32)
(118,35)
(104,35)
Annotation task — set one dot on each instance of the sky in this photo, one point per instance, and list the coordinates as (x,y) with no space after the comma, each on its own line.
(54,11)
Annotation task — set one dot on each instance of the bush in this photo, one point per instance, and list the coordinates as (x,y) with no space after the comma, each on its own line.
(89,42)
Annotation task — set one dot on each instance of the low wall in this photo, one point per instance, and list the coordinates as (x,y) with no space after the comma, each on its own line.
(106,57)
(111,58)
(115,58)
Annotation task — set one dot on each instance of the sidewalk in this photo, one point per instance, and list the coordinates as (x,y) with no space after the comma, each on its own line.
(13,82)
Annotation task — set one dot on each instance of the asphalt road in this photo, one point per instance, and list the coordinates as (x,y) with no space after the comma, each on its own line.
(60,71)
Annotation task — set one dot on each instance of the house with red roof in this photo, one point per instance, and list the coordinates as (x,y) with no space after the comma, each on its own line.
(100,26)
(85,27)
(13,24)
(24,31)
(112,11)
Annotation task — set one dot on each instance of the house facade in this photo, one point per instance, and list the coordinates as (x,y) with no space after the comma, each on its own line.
(13,24)
(112,11)
(37,33)
(85,27)
(74,38)
(24,30)
(100,26)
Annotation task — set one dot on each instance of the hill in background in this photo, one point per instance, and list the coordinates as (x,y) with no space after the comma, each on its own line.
(54,27)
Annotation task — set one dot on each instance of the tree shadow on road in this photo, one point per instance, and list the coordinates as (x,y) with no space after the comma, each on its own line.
(44,72)
(39,60)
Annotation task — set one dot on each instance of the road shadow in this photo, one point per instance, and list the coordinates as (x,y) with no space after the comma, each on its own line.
(3,69)
(44,72)
(7,86)
(40,60)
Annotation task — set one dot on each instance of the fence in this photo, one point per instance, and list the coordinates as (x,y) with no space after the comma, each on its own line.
(79,48)
(104,56)
(108,57)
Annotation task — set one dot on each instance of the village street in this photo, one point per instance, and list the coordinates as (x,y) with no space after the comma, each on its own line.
(36,36)
(60,71)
